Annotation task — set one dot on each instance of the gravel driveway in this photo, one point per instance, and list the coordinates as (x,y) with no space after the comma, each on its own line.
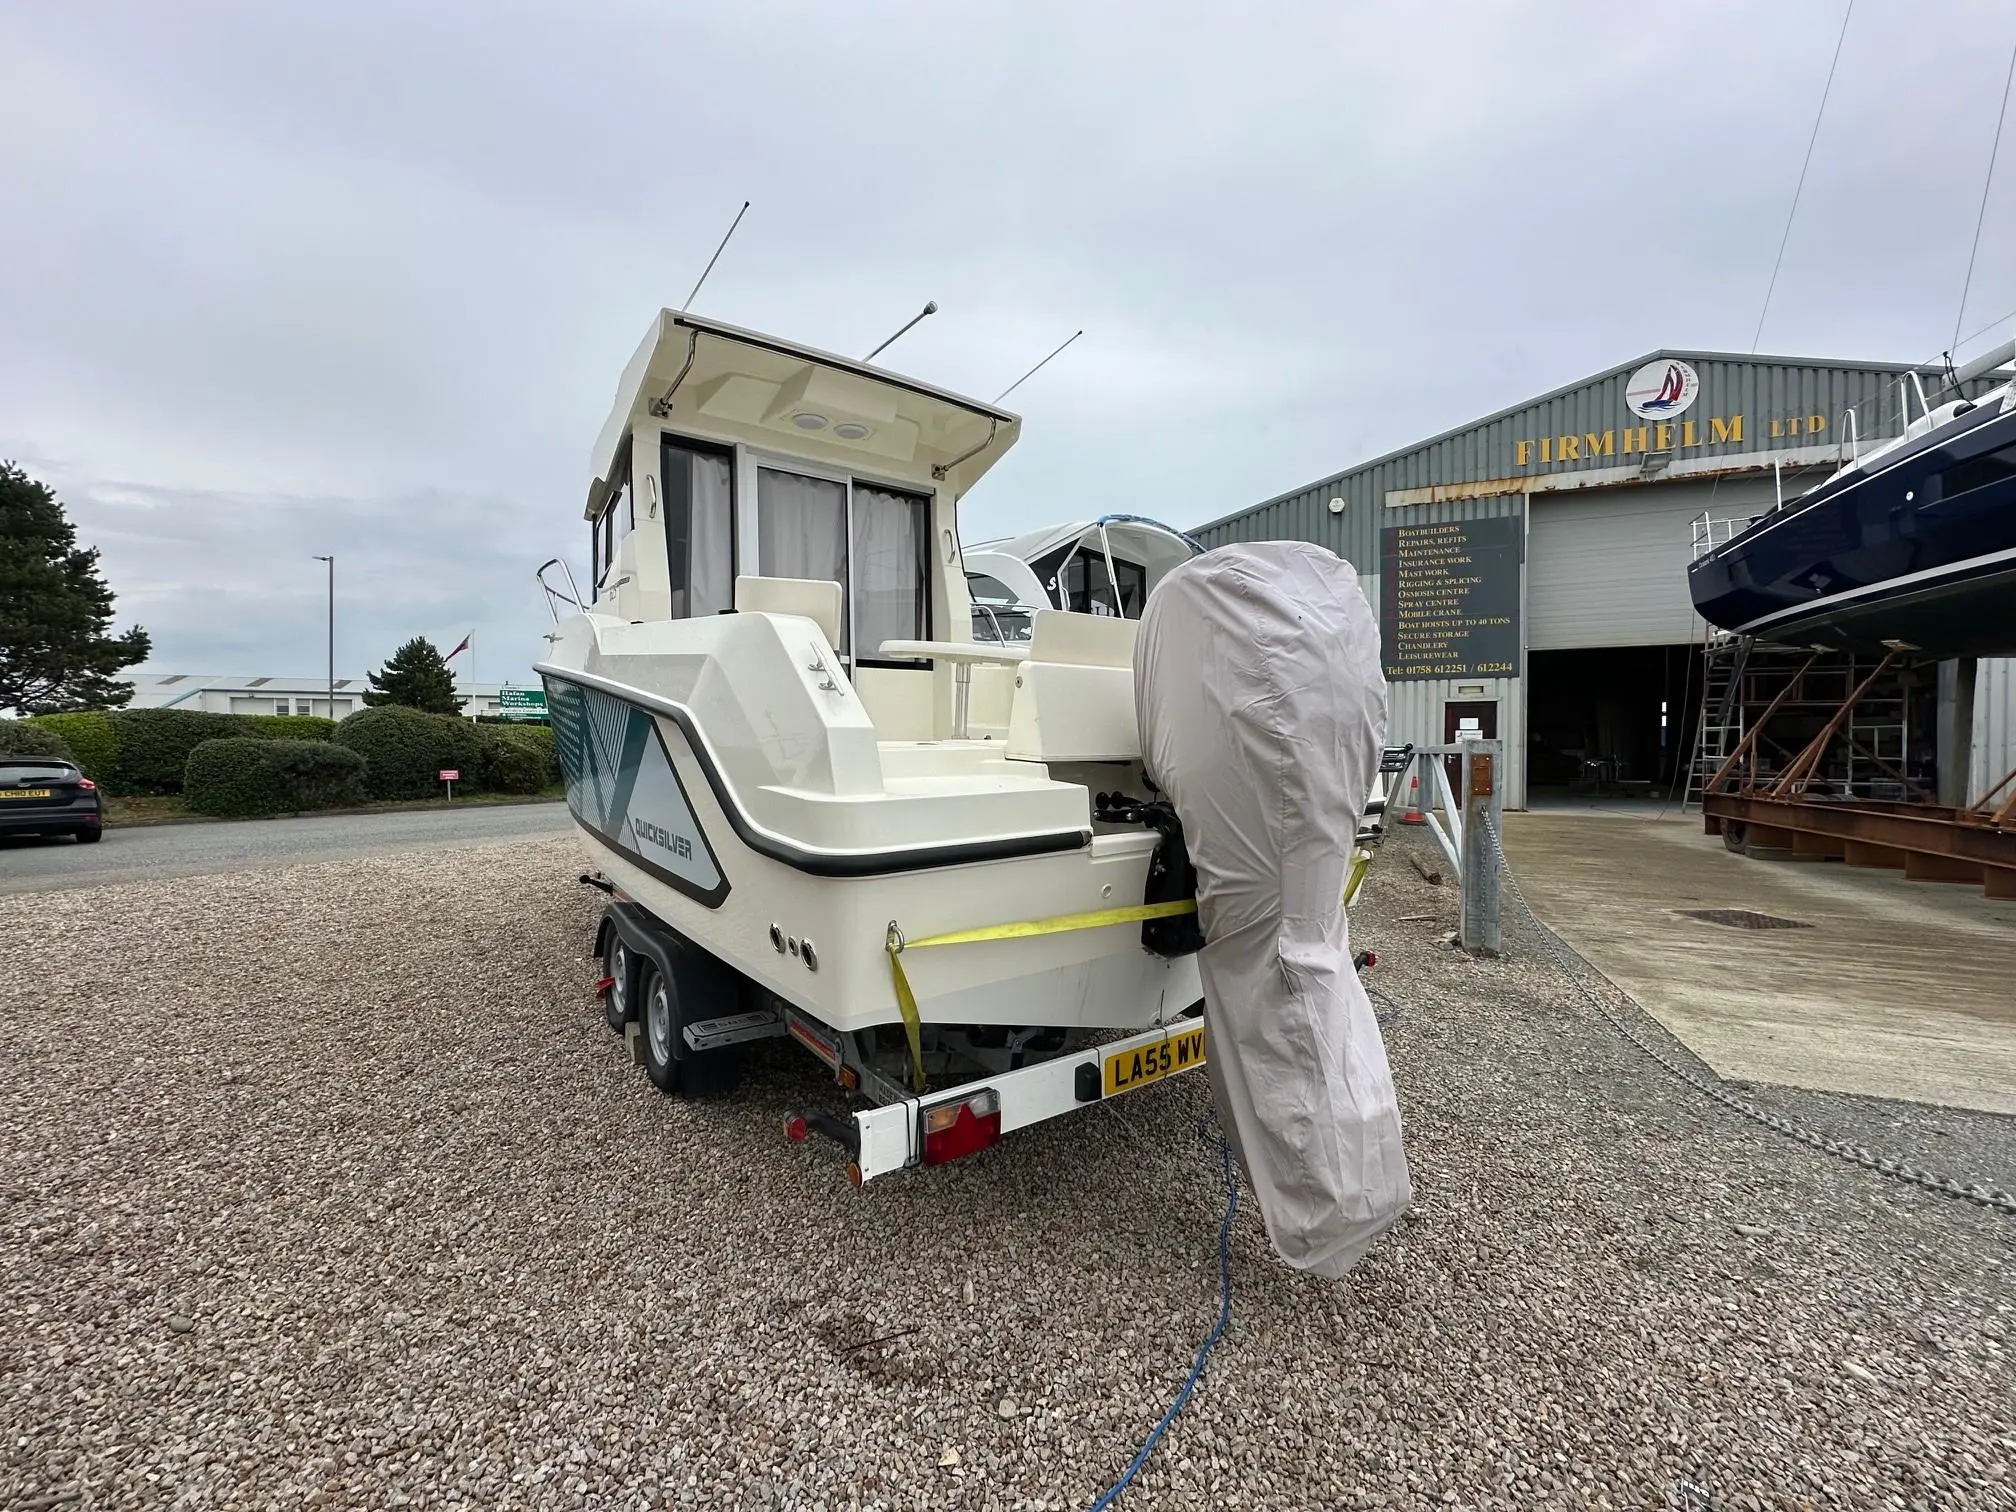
(325,1186)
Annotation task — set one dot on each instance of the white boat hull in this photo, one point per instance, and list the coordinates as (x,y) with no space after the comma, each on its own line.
(680,741)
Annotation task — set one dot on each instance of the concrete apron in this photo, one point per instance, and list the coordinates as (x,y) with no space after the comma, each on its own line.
(1899,989)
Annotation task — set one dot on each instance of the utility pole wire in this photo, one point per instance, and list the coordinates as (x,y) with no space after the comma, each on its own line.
(1981,215)
(1799,188)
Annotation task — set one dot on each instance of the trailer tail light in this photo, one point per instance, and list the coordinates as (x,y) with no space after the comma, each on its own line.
(954,1130)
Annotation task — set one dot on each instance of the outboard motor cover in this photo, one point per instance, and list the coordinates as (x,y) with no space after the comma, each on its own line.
(1262,711)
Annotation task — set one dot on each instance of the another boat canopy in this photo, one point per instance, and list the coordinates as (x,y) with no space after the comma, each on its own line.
(1105,566)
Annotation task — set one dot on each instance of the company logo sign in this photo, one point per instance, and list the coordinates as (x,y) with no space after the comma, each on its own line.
(1662,389)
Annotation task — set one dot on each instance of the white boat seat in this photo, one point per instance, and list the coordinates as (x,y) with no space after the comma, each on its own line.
(816,599)
(1074,696)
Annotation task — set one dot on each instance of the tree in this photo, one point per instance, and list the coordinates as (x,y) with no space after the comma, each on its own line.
(56,650)
(417,678)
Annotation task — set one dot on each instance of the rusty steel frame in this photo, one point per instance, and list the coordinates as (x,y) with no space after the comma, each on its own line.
(1926,842)
(1794,778)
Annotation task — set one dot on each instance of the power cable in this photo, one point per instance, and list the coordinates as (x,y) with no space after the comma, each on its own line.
(1798,189)
(1212,1136)
(1981,215)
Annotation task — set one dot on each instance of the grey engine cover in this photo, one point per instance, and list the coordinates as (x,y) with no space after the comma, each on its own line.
(1262,710)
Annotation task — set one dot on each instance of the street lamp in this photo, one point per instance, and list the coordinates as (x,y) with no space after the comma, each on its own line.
(332,634)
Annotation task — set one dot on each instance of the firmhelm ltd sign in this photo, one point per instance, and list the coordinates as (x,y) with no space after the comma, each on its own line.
(1661,389)
(1660,393)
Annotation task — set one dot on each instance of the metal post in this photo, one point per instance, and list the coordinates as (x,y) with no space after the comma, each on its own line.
(1483,763)
(332,633)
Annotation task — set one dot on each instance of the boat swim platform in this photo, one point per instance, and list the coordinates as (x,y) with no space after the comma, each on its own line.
(1893,988)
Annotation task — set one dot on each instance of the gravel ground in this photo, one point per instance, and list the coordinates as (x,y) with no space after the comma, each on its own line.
(325,1186)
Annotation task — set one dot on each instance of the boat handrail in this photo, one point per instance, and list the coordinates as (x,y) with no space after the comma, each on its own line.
(571,596)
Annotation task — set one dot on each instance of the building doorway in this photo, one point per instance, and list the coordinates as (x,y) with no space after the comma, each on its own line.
(1466,721)
(1611,722)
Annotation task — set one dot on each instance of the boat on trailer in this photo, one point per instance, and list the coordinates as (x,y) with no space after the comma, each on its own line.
(1911,547)
(792,773)
(934,861)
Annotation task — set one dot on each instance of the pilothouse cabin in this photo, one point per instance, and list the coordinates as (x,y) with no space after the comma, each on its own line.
(730,455)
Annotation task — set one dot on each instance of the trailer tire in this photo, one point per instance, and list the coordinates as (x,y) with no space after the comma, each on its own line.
(673,1066)
(619,1002)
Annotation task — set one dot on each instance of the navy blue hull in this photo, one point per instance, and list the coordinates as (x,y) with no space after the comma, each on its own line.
(1920,549)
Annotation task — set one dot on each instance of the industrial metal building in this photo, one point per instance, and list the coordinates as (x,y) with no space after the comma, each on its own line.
(223,694)
(1530,569)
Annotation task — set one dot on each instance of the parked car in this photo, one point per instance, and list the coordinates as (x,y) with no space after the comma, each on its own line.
(47,796)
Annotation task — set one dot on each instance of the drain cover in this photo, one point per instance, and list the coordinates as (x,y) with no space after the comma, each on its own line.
(1742,918)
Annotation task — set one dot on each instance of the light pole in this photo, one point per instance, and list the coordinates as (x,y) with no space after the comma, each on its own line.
(332,634)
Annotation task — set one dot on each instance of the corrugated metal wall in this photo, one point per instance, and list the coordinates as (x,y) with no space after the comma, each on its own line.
(1608,566)
(1994,751)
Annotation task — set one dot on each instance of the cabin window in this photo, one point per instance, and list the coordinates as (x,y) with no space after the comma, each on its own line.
(1075,577)
(873,541)
(892,567)
(996,614)
(801,530)
(1979,472)
(699,487)
(614,524)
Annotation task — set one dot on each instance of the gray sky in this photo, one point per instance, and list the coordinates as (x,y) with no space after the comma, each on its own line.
(280,279)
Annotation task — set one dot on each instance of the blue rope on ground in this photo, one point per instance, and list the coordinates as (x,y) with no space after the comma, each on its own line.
(1205,1132)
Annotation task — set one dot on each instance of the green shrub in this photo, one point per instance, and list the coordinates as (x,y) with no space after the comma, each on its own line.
(511,765)
(465,750)
(21,737)
(91,738)
(520,759)
(238,777)
(154,744)
(402,748)
(291,726)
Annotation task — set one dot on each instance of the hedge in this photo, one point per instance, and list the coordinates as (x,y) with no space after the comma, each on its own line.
(154,745)
(403,749)
(514,764)
(20,737)
(237,777)
(537,742)
(91,736)
(292,726)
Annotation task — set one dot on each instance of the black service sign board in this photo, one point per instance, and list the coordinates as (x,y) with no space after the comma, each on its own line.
(1449,599)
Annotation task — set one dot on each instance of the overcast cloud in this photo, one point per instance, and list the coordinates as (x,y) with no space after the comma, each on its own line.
(280,279)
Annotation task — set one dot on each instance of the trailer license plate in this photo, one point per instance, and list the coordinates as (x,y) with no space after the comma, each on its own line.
(1128,1069)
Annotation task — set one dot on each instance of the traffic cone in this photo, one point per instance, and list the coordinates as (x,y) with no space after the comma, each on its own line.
(1413,814)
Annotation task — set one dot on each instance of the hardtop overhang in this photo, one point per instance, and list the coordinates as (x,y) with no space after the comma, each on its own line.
(728,383)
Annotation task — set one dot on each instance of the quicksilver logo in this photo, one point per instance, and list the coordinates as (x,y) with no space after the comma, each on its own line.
(664,839)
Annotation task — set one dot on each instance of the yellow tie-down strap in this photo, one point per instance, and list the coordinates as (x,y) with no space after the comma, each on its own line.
(1099,918)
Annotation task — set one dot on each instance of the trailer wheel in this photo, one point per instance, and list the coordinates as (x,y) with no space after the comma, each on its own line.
(1736,836)
(672,1065)
(617,966)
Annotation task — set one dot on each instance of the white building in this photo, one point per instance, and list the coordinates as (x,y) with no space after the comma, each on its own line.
(279,695)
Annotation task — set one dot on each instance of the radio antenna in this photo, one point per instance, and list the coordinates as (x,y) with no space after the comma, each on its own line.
(1036,369)
(930,308)
(716,257)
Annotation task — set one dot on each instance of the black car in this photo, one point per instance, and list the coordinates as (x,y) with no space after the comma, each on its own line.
(41,795)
